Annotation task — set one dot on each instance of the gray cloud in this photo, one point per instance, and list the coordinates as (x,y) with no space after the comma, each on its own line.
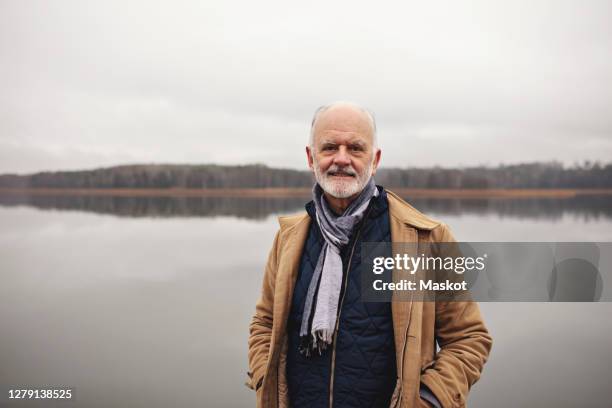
(451,83)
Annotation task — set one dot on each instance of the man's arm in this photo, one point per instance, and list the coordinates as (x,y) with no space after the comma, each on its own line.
(464,343)
(260,329)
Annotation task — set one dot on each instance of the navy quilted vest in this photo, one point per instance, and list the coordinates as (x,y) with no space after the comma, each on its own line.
(364,369)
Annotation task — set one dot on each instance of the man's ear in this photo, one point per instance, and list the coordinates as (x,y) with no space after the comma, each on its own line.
(309,157)
(376,160)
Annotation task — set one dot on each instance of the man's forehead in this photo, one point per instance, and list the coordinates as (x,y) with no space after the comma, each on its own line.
(344,123)
(340,137)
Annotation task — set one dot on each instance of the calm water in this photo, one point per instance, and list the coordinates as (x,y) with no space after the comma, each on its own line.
(146,302)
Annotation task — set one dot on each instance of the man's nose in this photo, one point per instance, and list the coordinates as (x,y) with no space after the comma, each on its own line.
(342,158)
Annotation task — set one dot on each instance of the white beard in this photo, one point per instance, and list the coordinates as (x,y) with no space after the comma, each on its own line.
(346,187)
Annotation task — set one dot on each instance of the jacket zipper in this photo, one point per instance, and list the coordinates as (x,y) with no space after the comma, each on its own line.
(348,268)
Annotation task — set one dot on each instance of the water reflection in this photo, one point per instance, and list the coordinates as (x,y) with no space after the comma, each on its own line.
(151,308)
(592,207)
(241,207)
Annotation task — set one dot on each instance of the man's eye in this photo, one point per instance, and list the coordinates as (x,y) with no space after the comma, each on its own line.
(329,147)
(357,148)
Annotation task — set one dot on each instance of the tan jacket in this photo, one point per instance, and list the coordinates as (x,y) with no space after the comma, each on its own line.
(458,326)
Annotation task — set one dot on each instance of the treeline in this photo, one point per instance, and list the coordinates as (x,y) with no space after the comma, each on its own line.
(530,175)
(164,176)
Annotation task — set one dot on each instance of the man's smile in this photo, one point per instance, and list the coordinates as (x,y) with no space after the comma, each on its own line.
(340,174)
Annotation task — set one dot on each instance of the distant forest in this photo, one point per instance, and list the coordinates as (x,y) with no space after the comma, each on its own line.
(529,175)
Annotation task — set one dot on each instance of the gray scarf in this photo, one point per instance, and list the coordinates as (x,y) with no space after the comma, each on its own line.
(321,304)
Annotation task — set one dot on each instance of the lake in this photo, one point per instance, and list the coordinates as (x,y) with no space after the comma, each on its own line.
(146,302)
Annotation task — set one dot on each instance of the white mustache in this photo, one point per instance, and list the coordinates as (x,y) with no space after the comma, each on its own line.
(350,171)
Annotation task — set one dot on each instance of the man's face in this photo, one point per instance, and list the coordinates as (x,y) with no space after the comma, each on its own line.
(343,158)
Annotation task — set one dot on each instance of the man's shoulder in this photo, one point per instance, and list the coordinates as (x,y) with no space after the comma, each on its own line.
(287,222)
(293,228)
(406,213)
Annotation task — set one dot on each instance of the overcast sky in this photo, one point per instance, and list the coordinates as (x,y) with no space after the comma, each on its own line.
(98,83)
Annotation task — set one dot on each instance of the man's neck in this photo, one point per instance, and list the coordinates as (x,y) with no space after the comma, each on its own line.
(338,205)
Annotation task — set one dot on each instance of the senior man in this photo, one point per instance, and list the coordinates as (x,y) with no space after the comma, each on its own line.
(313,342)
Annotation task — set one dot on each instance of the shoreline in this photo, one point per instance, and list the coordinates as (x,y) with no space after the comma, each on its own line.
(303,192)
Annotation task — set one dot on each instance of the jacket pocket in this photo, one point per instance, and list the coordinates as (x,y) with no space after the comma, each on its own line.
(427,365)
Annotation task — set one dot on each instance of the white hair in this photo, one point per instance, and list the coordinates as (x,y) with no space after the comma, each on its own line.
(323,108)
